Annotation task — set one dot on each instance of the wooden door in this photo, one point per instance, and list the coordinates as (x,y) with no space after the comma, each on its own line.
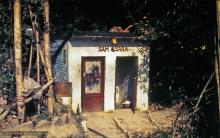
(93,83)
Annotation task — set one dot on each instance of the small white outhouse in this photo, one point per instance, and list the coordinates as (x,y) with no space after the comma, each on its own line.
(107,70)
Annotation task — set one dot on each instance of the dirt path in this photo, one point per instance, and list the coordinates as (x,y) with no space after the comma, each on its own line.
(104,123)
(138,122)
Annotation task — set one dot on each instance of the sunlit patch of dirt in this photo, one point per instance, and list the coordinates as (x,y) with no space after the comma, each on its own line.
(133,123)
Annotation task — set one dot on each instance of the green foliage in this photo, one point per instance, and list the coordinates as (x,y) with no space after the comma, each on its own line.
(182,52)
(7,79)
(182,38)
(7,87)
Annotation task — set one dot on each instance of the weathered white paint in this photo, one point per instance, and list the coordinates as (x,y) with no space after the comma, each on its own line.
(74,69)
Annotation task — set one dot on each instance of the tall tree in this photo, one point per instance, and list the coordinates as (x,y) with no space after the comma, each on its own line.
(217,53)
(18,55)
(47,53)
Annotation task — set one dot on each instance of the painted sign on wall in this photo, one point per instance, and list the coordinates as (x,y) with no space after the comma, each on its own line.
(113,49)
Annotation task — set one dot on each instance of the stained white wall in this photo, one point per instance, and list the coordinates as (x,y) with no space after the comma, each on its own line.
(74,69)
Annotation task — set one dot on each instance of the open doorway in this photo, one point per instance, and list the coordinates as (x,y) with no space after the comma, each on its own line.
(126,82)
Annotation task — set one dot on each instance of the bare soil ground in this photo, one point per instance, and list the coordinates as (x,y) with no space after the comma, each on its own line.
(54,130)
(139,122)
(103,123)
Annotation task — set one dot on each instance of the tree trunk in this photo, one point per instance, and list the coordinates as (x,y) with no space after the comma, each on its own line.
(217,57)
(18,55)
(47,54)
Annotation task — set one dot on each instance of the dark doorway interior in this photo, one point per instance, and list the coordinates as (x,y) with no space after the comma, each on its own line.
(125,83)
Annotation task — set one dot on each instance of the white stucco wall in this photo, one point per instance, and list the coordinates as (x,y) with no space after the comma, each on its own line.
(74,70)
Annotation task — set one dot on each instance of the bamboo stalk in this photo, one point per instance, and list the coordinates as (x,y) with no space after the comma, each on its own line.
(38,58)
(47,54)
(217,70)
(217,56)
(38,65)
(36,32)
(30,61)
(43,62)
(18,55)
(33,33)
(32,22)
(37,37)
(41,55)
(203,91)
(39,48)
